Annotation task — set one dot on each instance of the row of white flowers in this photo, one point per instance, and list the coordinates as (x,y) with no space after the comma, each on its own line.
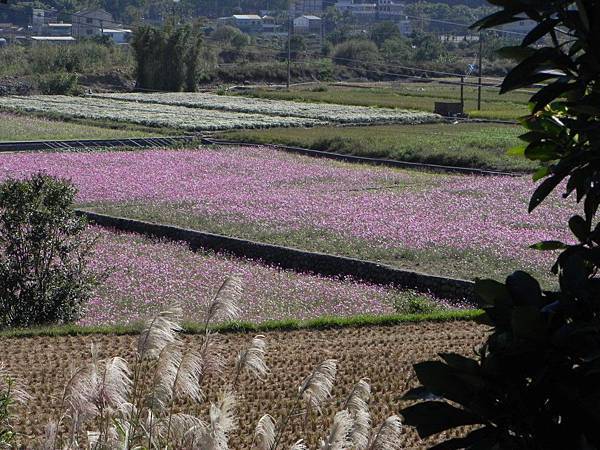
(319,111)
(192,119)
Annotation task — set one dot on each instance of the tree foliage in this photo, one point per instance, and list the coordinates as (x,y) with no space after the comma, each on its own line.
(44,275)
(535,383)
(167,58)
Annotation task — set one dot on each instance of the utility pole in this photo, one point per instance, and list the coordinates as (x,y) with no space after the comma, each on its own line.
(289,46)
(479,69)
(462,92)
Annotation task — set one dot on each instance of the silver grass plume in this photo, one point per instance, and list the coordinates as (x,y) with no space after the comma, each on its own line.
(264,436)
(225,304)
(388,436)
(316,388)
(50,435)
(357,405)
(159,332)
(299,445)
(113,383)
(9,384)
(187,381)
(252,358)
(165,375)
(359,397)
(213,362)
(222,420)
(339,435)
(361,429)
(187,431)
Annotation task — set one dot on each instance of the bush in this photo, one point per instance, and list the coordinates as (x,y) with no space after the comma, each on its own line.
(44,276)
(535,383)
(167,59)
(356,53)
(59,83)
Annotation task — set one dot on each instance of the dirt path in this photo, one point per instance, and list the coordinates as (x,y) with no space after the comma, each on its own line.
(382,354)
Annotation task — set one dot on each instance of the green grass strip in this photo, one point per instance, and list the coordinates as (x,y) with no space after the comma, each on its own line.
(248,327)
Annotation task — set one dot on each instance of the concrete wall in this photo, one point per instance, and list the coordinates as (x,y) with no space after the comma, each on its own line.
(294,259)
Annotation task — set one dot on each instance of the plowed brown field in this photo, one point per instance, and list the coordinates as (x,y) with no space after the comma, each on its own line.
(382,354)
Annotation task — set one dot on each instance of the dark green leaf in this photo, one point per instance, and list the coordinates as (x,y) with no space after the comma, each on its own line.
(549,245)
(543,190)
(579,228)
(430,418)
(482,438)
(542,172)
(492,292)
(460,362)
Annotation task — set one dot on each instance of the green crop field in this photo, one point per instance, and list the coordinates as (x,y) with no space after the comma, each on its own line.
(421,96)
(466,144)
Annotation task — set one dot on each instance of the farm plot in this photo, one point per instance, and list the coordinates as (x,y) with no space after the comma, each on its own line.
(384,355)
(191,119)
(147,276)
(463,226)
(323,112)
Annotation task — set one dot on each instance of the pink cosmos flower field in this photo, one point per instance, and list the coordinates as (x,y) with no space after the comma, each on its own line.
(260,193)
(146,276)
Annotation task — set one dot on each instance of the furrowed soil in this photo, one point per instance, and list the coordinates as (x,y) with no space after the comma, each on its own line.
(383,354)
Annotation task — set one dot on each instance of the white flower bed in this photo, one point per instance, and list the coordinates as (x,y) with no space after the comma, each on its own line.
(193,119)
(318,111)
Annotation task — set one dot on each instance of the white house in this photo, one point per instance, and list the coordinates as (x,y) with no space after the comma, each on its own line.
(249,23)
(118,35)
(91,22)
(307,24)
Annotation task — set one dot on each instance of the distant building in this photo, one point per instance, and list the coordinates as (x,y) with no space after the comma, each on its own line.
(363,12)
(390,10)
(59,40)
(118,35)
(10,32)
(307,24)
(405,27)
(305,7)
(40,18)
(379,10)
(90,22)
(58,29)
(249,23)
(270,25)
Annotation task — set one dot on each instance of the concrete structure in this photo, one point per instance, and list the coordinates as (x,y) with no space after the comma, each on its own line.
(59,40)
(118,35)
(363,12)
(58,29)
(379,10)
(249,23)
(40,18)
(305,7)
(307,24)
(390,10)
(90,22)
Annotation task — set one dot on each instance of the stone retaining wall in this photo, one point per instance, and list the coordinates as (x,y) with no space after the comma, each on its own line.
(294,259)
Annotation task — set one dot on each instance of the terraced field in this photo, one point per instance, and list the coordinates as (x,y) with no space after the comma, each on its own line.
(382,354)
(465,226)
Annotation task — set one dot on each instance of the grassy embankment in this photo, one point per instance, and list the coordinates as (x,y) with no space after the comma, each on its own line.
(481,146)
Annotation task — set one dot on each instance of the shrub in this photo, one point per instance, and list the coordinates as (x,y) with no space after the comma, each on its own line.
(44,276)
(356,53)
(535,382)
(59,83)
